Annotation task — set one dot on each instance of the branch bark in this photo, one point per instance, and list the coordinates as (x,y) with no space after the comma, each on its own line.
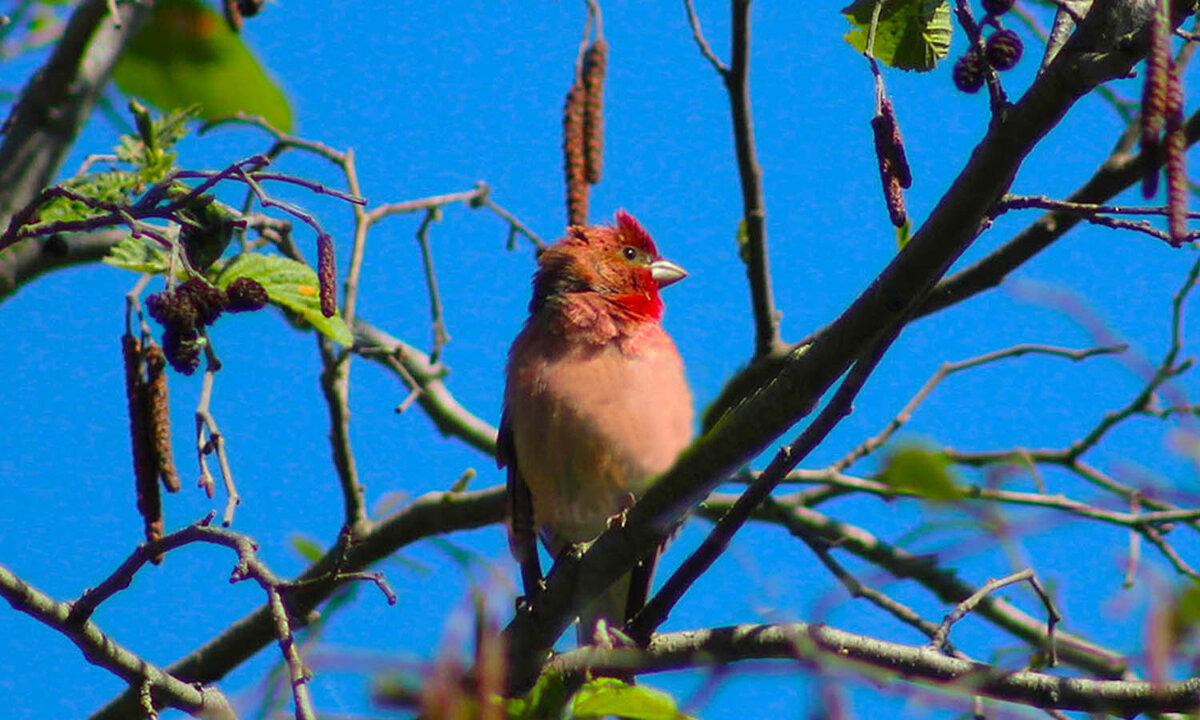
(831,649)
(57,101)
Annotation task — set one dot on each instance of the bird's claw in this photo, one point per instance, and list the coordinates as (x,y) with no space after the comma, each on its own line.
(618,518)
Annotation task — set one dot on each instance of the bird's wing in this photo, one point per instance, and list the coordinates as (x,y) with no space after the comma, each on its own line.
(522,538)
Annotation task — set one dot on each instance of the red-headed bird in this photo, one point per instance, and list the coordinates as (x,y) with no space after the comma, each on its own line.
(595,403)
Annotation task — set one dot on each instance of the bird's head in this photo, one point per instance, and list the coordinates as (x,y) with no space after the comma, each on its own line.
(618,262)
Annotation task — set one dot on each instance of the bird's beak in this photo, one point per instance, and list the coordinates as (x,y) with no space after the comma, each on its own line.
(666,272)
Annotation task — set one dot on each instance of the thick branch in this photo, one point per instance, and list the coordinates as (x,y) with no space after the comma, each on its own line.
(27,259)
(59,98)
(451,418)
(832,649)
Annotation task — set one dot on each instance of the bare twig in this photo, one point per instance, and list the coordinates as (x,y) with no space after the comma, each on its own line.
(946,585)
(950,368)
(701,43)
(428,515)
(440,335)
(450,417)
(857,588)
(960,611)
(298,674)
(210,440)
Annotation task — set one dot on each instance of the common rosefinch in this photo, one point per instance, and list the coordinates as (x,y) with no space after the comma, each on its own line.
(596,404)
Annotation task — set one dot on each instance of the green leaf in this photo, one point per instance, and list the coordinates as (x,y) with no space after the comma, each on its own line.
(155,160)
(307,547)
(923,472)
(290,284)
(187,55)
(545,701)
(603,697)
(140,255)
(1187,609)
(911,34)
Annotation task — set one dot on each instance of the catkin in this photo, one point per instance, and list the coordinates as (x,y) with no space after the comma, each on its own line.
(574,160)
(1176,151)
(595,65)
(149,500)
(159,415)
(894,172)
(1154,98)
(327,275)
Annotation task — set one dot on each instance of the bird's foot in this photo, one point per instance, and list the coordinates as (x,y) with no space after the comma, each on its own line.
(611,637)
(617,519)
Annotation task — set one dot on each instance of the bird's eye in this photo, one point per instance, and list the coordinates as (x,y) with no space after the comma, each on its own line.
(629,253)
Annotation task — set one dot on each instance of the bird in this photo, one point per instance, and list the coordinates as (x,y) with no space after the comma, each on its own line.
(596,403)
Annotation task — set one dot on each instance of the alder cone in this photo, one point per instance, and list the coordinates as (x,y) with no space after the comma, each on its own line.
(182,348)
(1004,49)
(968,73)
(208,300)
(245,295)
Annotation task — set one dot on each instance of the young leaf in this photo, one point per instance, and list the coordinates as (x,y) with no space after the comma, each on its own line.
(603,697)
(910,35)
(922,472)
(187,55)
(544,702)
(140,255)
(290,284)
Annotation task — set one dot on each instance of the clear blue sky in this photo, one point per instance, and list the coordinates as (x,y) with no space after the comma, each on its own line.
(436,96)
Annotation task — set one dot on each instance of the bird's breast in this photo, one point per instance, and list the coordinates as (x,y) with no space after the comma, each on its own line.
(592,424)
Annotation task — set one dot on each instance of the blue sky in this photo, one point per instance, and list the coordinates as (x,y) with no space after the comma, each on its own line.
(434,97)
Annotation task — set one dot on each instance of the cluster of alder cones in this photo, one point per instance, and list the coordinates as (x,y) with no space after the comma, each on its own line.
(1002,51)
(195,304)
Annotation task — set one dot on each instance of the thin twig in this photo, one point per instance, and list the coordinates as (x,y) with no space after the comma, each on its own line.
(972,602)
(298,674)
(949,368)
(206,424)
(857,588)
(440,335)
(698,36)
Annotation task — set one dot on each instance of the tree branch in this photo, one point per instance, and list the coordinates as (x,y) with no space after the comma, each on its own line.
(56,102)
(27,259)
(828,648)
(431,514)
(102,651)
